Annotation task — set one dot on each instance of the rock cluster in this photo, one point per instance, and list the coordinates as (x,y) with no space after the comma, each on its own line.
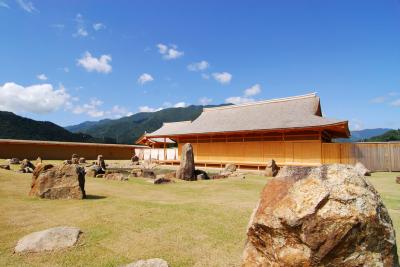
(58,182)
(26,166)
(14,161)
(320,216)
(230,170)
(48,240)
(5,166)
(156,262)
(116,176)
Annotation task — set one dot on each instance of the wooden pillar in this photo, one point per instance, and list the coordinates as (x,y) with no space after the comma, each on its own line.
(165,148)
(320,141)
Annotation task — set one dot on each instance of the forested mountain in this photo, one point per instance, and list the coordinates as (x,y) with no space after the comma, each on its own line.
(391,135)
(127,130)
(13,126)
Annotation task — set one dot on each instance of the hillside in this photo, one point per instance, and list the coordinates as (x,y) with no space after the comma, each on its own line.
(13,126)
(391,135)
(362,135)
(127,130)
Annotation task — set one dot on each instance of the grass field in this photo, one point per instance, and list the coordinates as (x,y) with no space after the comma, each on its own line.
(186,223)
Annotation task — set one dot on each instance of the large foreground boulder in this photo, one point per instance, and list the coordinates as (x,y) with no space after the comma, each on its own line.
(48,240)
(66,181)
(186,167)
(320,216)
(156,262)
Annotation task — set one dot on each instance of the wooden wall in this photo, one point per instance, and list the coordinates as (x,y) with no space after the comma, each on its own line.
(61,150)
(258,152)
(375,156)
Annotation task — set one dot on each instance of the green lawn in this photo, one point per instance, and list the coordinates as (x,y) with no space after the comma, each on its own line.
(199,223)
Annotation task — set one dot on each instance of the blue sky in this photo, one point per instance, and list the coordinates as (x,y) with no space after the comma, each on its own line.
(72,61)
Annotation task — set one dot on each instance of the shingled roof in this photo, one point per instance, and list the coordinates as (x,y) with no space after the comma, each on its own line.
(284,113)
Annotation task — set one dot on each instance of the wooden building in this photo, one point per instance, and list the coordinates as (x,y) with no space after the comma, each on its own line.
(289,130)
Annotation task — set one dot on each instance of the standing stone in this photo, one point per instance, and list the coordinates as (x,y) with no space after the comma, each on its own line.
(186,167)
(271,170)
(101,162)
(230,167)
(48,240)
(135,160)
(38,161)
(75,159)
(58,182)
(320,216)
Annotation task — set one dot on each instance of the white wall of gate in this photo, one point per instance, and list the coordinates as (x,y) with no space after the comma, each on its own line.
(157,153)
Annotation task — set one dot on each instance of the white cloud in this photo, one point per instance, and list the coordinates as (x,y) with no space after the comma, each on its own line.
(148,109)
(254,90)
(99,26)
(27,6)
(246,98)
(378,100)
(93,109)
(4,4)
(80,27)
(205,76)
(356,124)
(180,105)
(145,78)
(395,103)
(238,100)
(162,49)
(100,64)
(38,98)
(82,32)
(164,105)
(169,52)
(42,77)
(222,77)
(205,101)
(198,66)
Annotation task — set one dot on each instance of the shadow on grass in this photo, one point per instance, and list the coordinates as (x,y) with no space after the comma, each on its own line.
(90,197)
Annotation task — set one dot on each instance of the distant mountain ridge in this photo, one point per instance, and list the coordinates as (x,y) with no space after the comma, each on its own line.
(367,133)
(127,130)
(13,126)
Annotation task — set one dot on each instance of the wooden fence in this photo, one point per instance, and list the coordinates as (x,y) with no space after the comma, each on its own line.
(62,150)
(375,156)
